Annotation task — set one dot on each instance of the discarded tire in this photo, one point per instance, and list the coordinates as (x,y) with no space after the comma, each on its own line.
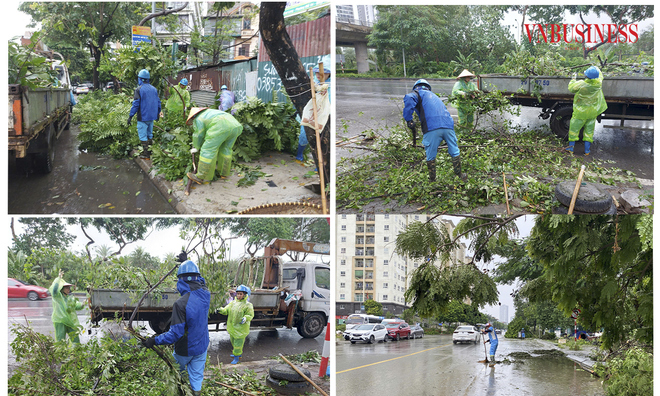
(590,198)
(288,388)
(285,208)
(287,373)
(561,209)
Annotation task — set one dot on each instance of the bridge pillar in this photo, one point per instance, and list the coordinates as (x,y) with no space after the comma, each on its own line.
(361,55)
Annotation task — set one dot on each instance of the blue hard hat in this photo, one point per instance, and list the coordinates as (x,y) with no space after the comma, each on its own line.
(187,267)
(422,82)
(223,87)
(144,73)
(591,72)
(184,81)
(244,289)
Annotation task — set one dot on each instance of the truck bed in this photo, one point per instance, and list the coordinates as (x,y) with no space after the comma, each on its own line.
(637,90)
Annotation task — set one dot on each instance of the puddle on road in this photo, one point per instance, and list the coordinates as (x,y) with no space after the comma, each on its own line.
(83,183)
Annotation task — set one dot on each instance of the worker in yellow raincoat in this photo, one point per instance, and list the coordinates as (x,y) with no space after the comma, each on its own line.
(178,92)
(466,88)
(239,314)
(65,306)
(588,103)
(214,135)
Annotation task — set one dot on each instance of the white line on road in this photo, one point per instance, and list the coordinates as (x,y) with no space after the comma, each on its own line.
(389,360)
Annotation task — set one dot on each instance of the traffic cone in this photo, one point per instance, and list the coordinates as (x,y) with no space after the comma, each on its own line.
(326,352)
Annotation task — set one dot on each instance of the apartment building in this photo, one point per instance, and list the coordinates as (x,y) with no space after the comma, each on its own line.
(367,266)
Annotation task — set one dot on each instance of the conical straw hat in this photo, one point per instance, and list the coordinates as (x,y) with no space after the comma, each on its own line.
(465,73)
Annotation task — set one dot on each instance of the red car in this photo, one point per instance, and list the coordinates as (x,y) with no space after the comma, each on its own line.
(398,330)
(18,289)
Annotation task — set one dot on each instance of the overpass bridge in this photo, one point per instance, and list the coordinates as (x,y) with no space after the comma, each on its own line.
(353,33)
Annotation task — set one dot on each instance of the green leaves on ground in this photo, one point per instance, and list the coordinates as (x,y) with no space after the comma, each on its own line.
(106,366)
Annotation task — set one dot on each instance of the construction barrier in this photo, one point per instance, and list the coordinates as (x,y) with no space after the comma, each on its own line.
(326,353)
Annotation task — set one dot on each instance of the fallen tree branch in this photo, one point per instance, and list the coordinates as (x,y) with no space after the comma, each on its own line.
(232,388)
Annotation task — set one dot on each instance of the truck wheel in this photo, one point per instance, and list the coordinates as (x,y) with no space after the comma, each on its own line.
(312,325)
(160,326)
(45,158)
(560,121)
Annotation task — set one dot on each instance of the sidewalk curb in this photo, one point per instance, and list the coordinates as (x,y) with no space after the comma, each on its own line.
(585,363)
(163,185)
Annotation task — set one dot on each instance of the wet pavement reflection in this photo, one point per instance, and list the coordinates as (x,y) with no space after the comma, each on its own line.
(433,366)
(83,183)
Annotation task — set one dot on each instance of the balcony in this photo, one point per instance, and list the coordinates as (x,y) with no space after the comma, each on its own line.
(371,230)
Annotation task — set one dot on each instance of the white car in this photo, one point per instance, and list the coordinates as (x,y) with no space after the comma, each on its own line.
(466,334)
(368,333)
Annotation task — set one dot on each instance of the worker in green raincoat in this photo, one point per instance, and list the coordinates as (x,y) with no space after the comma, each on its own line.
(588,103)
(65,306)
(239,314)
(464,87)
(214,135)
(178,92)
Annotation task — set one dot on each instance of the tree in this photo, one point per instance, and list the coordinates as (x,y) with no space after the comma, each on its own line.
(309,229)
(295,78)
(85,25)
(600,264)
(122,231)
(40,232)
(373,307)
(260,231)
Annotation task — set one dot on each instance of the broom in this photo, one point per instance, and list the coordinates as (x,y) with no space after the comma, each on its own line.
(485,352)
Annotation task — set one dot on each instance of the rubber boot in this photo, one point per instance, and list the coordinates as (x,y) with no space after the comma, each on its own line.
(145,150)
(236,359)
(150,142)
(299,153)
(197,393)
(431,166)
(456,161)
(570,147)
(492,361)
(194,178)
(587,148)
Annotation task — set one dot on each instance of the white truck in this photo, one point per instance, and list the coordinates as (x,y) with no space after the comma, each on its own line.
(37,116)
(307,284)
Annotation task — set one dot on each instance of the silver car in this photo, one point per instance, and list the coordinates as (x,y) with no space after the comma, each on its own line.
(465,334)
(368,333)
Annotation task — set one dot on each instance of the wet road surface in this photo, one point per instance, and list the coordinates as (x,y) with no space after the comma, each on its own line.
(259,345)
(433,366)
(83,183)
(376,105)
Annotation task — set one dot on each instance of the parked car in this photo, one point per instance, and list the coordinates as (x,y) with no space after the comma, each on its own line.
(18,289)
(398,330)
(109,86)
(416,331)
(466,334)
(369,333)
(81,89)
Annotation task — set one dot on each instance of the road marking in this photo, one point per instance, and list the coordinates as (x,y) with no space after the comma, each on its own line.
(389,360)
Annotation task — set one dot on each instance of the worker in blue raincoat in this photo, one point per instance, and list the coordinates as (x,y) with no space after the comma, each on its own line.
(214,135)
(146,104)
(64,315)
(437,125)
(302,138)
(189,326)
(588,103)
(492,338)
(239,315)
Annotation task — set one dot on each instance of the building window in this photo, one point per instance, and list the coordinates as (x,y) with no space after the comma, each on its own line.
(247,24)
(387,216)
(386,262)
(342,306)
(244,50)
(385,285)
(416,217)
(343,239)
(343,250)
(385,274)
(343,227)
(342,285)
(386,251)
(342,297)
(343,217)
(386,227)
(386,239)
(343,262)
(384,297)
(342,273)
